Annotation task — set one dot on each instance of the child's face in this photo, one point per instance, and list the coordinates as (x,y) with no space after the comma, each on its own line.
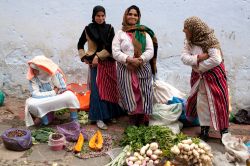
(100,17)
(187,33)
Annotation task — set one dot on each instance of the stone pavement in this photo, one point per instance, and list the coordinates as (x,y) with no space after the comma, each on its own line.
(11,115)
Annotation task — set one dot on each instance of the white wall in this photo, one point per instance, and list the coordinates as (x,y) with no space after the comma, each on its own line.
(32,27)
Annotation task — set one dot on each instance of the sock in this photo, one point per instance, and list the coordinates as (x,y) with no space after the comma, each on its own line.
(45,120)
(74,116)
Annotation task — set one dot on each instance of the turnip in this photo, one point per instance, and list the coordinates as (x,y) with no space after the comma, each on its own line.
(136,154)
(156,162)
(138,162)
(185,157)
(207,148)
(140,157)
(130,162)
(147,158)
(133,158)
(190,157)
(187,141)
(135,165)
(210,155)
(175,150)
(143,150)
(192,146)
(127,160)
(202,151)
(190,152)
(196,154)
(149,152)
(157,152)
(153,146)
(180,145)
(201,145)
(186,147)
(150,161)
(153,157)
(147,146)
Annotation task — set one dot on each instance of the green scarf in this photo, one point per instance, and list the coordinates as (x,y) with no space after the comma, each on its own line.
(139,42)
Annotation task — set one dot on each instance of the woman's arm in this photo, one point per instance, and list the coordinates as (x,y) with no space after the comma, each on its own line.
(186,57)
(149,50)
(35,90)
(213,60)
(81,43)
(106,52)
(59,82)
(118,55)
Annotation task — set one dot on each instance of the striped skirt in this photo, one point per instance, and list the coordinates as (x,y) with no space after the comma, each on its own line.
(106,81)
(128,99)
(216,88)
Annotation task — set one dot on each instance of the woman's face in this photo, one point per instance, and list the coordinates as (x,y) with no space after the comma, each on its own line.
(100,17)
(187,33)
(36,72)
(132,17)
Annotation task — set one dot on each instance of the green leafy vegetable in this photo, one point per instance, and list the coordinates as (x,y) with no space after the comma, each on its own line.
(139,136)
(41,135)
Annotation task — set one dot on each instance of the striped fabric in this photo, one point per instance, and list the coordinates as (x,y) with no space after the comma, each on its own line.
(217,94)
(107,81)
(144,75)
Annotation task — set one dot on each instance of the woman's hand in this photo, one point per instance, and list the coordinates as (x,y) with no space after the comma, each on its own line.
(138,62)
(85,61)
(202,57)
(56,90)
(95,61)
(131,67)
(133,63)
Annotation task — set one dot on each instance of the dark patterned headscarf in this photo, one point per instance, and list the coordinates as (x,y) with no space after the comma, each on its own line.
(139,37)
(202,35)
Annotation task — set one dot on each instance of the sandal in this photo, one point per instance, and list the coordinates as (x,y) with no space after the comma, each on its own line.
(101,125)
(114,120)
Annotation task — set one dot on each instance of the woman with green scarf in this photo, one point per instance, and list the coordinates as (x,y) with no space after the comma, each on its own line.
(135,49)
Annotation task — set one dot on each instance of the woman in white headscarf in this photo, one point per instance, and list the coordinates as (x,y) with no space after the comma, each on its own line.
(48,91)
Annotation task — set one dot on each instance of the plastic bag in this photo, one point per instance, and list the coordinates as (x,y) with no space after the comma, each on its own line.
(167,115)
(70,130)
(183,118)
(17,143)
(242,116)
(164,92)
(1,98)
(82,93)
(236,150)
(113,153)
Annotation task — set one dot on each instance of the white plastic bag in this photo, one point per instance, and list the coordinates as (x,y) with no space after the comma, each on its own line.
(164,92)
(167,115)
(236,150)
